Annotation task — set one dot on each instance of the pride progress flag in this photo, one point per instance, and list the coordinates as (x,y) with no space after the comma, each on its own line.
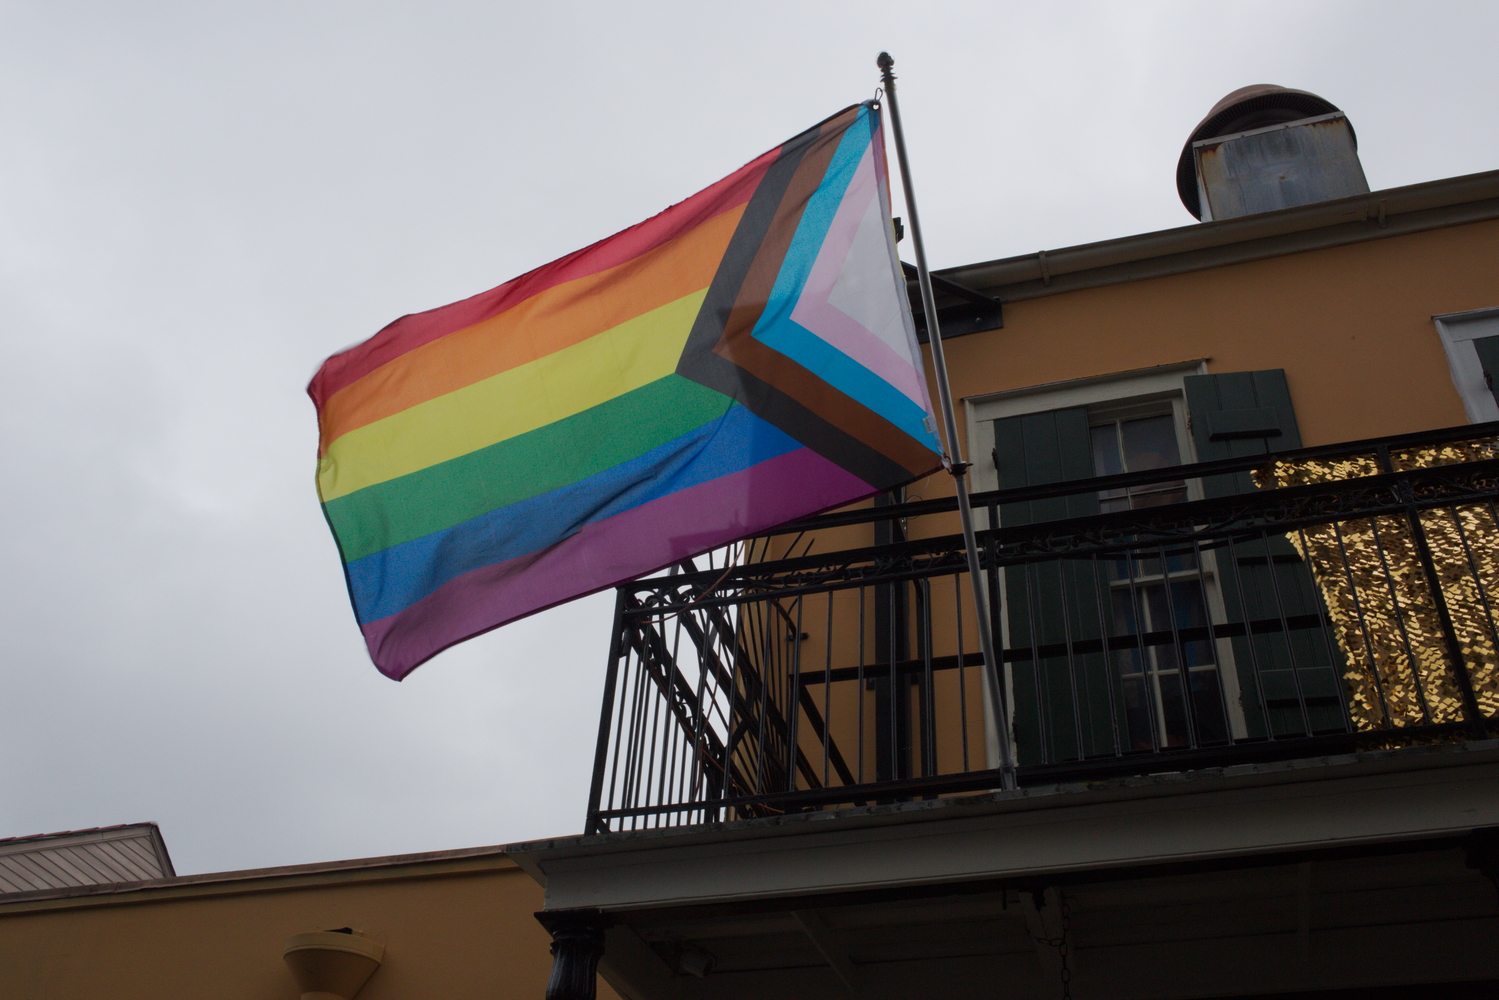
(741,360)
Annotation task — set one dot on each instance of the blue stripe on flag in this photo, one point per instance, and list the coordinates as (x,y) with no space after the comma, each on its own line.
(849,377)
(386,582)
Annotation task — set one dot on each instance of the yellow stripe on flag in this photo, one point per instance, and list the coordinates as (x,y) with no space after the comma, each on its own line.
(513,402)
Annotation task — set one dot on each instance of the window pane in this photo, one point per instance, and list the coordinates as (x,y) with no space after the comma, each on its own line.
(1129,662)
(1187,604)
(1173,710)
(1139,714)
(1159,619)
(1106,460)
(1149,443)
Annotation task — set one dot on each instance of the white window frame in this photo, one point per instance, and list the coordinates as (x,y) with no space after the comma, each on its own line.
(1109,396)
(1458,331)
(1102,393)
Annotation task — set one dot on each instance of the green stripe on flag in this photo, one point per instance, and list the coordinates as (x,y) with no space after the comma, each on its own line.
(584,444)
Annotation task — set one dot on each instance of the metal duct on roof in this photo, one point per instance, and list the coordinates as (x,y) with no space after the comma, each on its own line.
(1263,106)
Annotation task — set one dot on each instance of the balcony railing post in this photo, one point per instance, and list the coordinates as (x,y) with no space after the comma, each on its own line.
(793,709)
(601,748)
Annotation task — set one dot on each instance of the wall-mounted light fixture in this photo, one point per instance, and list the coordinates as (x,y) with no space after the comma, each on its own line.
(332,965)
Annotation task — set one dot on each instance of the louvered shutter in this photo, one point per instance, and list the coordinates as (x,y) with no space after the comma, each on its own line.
(1240,414)
(1053,603)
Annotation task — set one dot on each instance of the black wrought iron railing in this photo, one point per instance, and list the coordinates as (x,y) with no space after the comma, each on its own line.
(1296,604)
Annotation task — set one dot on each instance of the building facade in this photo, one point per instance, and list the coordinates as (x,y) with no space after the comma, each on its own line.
(1236,483)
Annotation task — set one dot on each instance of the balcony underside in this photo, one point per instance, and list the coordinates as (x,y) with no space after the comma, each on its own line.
(1273,925)
(1363,870)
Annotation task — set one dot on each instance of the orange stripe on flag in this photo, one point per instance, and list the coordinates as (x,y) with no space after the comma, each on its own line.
(554,319)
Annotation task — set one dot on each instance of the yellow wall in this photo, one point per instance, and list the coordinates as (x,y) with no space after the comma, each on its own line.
(451,931)
(1351,325)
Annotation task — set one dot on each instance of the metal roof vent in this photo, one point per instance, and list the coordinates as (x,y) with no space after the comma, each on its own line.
(1266,147)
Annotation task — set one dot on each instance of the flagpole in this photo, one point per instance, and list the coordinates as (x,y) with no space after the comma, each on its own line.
(955,464)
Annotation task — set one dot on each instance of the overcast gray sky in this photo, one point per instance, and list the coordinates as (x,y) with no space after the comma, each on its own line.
(199,201)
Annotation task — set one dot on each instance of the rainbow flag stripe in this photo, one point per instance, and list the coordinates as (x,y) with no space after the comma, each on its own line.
(743,359)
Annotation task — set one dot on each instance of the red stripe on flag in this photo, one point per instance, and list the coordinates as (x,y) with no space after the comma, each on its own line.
(412,331)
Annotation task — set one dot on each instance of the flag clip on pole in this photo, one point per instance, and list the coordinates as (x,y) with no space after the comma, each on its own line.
(954,458)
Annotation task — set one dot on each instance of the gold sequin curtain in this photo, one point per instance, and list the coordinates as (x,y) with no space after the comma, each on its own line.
(1383,611)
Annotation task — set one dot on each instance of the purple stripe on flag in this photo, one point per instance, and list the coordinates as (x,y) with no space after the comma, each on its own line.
(610,551)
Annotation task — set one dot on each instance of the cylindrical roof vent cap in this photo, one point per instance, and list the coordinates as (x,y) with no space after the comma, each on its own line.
(1257,106)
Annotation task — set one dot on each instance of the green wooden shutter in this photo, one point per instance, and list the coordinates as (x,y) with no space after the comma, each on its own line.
(1488,356)
(1239,414)
(1236,415)
(1054,602)
(1035,449)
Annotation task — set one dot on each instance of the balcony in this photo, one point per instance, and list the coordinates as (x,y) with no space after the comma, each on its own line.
(1302,604)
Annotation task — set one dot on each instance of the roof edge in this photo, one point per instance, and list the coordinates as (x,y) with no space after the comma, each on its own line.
(119,829)
(534,856)
(431,864)
(1376,215)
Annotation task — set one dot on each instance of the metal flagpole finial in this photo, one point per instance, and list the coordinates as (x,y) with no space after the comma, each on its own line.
(886,65)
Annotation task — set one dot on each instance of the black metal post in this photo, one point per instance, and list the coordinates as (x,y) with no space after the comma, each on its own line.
(955,464)
(577,946)
(601,748)
(892,723)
